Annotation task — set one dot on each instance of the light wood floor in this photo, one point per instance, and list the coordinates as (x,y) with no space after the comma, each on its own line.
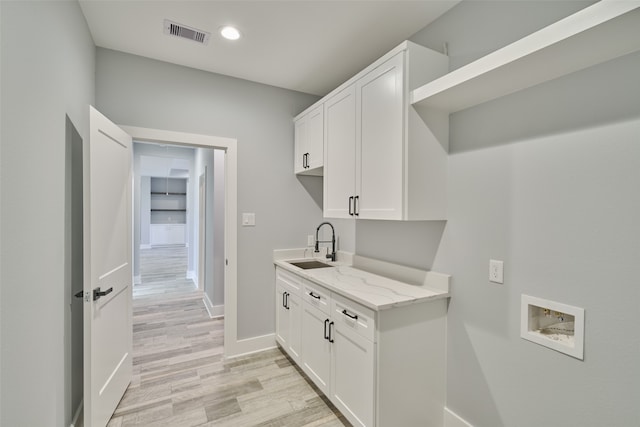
(180,377)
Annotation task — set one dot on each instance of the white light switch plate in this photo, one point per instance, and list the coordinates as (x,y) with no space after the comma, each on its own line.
(311,241)
(248,219)
(496,271)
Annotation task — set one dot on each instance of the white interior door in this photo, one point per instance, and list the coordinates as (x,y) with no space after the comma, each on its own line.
(108,275)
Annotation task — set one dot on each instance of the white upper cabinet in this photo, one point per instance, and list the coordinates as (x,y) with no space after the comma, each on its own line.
(382,160)
(309,142)
(340,154)
(379,164)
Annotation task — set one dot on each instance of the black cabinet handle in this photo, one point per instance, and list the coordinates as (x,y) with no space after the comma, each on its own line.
(326,322)
(308,161)
(287,300)
(356,208)
(284,297)
(330,327)
(311,294)
(352,316)
(351,205)
(97,293)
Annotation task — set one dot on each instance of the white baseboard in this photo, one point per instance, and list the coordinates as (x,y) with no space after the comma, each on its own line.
(250,346)
(137,280)
(451,419)
(213,310)
(145,246)
(78,417)
(217,311)
(193,276)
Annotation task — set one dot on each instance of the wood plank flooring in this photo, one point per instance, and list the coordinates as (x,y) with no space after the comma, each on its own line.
(180,376)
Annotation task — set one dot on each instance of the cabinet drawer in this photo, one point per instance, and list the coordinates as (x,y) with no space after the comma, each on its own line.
(317,296)
(289,281)
(353,316)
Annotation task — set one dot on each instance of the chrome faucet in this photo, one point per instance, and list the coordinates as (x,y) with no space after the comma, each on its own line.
(331,256)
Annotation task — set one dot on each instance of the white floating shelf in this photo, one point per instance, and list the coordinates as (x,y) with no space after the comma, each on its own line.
(601,32)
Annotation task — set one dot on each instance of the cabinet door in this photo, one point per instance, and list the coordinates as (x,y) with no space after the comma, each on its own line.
(282,317)
(315,138)
(295,326)
(353,375)
(316,349)
(339,153)
(300,141)
(175,234)
(380,142)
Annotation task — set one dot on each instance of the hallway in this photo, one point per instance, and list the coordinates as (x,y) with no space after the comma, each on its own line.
(180,377)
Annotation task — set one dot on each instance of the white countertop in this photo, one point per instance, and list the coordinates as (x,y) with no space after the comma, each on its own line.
(371,290)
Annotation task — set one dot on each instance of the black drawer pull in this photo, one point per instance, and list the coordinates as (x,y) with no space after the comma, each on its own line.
(326,335)
(311,294)
(330,338)
(352,316)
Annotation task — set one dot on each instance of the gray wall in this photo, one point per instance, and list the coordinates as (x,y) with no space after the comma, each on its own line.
(47,74)
(546,180)
(136,91)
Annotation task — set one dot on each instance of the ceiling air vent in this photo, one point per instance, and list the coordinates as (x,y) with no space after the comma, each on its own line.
(179,30)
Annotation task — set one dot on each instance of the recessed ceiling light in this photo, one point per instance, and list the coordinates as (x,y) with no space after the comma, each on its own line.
(230,33)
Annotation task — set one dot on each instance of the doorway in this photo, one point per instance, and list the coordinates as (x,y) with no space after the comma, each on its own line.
(232,346)
(179,227)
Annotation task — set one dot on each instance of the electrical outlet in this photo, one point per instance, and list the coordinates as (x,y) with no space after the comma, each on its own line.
(496,271)
(311,241)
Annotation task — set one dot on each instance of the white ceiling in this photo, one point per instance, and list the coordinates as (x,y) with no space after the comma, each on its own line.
(310,46)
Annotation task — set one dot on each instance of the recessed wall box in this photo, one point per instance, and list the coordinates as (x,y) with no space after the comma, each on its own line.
(553,324)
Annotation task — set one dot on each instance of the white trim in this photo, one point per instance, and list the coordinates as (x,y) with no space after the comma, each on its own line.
(451,419)
(207,303)
(217,311)
(251,345)
(213,310)
(193,276)
(78,416)
(137,280)
(145,246)
(232,346)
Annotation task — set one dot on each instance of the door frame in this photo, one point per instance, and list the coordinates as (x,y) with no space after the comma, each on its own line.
(232,347)
(202,229)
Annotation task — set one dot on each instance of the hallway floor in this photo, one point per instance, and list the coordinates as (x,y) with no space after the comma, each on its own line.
(180,377)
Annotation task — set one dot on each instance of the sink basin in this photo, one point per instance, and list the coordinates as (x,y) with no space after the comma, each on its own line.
(307,265)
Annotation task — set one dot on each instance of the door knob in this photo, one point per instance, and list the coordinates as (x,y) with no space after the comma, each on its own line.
(97,293)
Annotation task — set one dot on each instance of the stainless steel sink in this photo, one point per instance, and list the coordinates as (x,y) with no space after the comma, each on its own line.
(307,265)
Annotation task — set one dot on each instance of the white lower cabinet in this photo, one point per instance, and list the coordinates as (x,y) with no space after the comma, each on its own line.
(167,234)
(379,368)
(338,351)
(316,347)
(352,375)
(288,312)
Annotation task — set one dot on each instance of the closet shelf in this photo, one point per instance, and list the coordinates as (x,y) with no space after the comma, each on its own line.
(161,193)
(601,32)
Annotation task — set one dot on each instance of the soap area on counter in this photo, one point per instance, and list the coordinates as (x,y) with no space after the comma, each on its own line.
(371,335)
